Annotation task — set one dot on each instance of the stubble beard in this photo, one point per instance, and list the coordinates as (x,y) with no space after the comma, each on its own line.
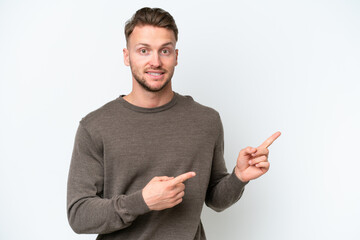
(142,82)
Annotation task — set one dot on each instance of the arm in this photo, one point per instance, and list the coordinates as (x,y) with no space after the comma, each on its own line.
(224,189)
(87,211)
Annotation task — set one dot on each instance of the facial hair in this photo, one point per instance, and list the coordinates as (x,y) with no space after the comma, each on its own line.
(145,85)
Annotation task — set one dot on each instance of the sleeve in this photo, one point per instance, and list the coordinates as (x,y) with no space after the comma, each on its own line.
(224,189)
(87,211)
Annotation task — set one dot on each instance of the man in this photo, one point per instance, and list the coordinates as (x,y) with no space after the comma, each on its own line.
(144,164)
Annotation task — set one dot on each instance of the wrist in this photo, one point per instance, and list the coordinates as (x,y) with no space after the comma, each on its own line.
(147,200)
(238,175)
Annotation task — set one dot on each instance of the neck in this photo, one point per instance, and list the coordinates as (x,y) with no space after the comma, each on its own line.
(146,99)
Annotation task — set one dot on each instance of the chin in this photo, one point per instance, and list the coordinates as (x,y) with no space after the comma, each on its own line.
(152,85)
(156,89)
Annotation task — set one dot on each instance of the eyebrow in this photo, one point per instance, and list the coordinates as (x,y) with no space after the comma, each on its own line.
(163,45)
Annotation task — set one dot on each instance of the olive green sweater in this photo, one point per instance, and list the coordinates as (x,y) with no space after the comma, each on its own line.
(120,147)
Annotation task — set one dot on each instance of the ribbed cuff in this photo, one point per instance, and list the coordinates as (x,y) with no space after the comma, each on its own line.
(234,180)
(135,204)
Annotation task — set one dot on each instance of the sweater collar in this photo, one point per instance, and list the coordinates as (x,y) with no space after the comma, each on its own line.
(149,110)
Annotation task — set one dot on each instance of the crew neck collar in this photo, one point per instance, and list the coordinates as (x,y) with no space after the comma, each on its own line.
(148,110)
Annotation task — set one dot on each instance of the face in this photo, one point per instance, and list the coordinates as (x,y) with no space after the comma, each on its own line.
(152,57)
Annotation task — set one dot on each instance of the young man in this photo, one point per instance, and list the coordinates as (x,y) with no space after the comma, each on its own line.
(144,164)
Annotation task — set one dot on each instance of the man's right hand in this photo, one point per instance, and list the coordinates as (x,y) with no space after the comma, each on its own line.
(165,192)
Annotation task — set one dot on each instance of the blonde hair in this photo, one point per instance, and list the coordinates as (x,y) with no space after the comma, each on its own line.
(151,16)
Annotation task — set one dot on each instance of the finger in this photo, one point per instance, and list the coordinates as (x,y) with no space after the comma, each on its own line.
(270,140)
(173,202)
(177,202)
(179,195)
(183,177)
(258,160)
(174,193)
(260,152)
(247,151)
(179,187)
(264,165)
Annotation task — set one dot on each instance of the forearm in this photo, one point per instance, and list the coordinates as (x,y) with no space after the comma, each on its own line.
(100,216)
(87,211)
(225,192)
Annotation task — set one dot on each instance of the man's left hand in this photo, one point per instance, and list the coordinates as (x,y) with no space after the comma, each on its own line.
(253,162)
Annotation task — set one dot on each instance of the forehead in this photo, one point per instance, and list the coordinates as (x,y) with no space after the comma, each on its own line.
(151,35)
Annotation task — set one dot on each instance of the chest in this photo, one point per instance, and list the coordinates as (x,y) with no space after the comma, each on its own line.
(135,151)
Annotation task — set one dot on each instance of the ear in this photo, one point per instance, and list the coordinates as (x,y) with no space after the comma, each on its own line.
(176,59)
(126,57)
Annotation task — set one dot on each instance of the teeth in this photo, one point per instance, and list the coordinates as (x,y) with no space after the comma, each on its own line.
(154,74)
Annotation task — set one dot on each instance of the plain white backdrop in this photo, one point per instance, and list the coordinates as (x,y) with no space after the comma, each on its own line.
(265,66)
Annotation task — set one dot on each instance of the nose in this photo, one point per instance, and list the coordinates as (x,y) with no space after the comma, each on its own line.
(155,61)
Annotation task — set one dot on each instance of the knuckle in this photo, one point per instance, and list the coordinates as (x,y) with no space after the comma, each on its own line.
(176,202)
(264,165)
(244,150)
(172,194)
(155,179)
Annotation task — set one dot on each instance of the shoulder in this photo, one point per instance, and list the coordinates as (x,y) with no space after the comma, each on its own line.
(103,114)
(198,110)
(193,105)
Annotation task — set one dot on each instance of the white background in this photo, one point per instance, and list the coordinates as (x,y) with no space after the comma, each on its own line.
(265,66)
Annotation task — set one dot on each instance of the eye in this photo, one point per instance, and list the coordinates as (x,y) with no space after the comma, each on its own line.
(143,51)
(165,51)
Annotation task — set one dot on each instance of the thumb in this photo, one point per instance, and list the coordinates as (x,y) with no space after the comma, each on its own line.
(162,178)
(247,151)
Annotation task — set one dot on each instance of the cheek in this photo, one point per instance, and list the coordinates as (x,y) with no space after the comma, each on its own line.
(137,62)
(170,62)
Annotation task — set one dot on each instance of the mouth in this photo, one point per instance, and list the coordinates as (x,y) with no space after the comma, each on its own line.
(155,74)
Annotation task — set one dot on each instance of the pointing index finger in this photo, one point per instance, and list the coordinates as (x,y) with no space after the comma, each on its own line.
(270,140)
(183,177)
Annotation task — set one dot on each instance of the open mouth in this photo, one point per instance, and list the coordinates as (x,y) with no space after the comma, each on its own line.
(155,73)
